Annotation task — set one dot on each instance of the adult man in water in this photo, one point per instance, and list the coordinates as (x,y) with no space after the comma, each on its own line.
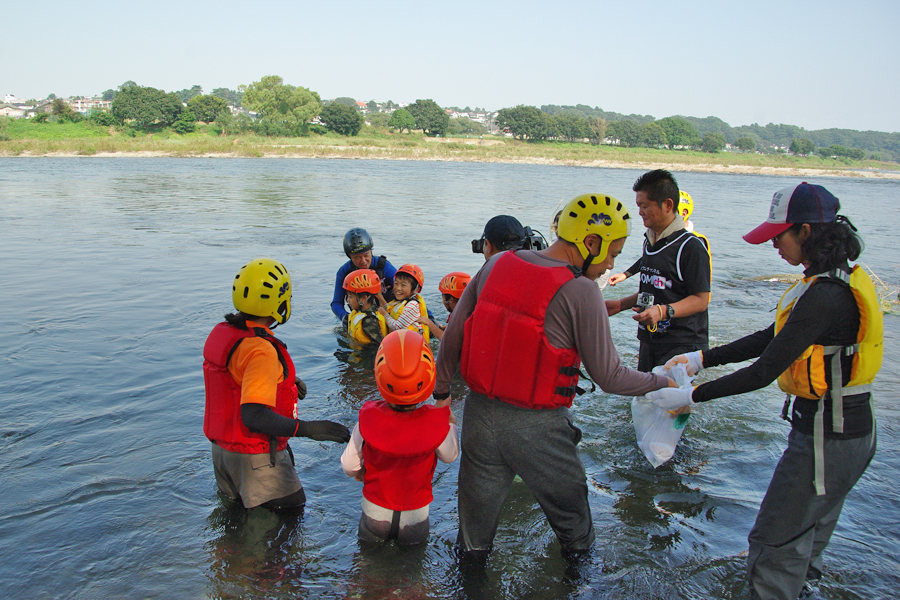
(252,391)
(358,248)
(501,233)
(671,303)
(521,329)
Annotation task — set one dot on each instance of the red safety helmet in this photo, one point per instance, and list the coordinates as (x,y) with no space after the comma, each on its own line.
(362,280)
(454,283)
(414,272)
(404,368)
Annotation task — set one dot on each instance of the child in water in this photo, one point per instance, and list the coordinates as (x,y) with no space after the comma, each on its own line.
(365,324)
(408,305)
(451,287)
(395,446)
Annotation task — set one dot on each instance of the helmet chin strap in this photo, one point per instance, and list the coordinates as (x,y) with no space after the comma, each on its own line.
(587,262)
(590,259)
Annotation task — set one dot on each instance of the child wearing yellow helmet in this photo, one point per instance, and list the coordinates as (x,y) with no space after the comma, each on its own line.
(397,442)
(252,391)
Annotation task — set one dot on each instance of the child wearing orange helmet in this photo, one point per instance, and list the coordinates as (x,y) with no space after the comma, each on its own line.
(395,446)
(451,287)
(363,294)
(408,305)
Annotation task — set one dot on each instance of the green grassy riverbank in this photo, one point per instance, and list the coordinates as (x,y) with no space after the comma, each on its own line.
(83,139)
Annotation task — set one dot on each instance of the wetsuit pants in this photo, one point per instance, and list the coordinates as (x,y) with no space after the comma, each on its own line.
(378,524)
(500,441)
(794,524)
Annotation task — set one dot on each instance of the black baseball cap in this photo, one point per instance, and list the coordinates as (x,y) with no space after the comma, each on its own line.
(503,230)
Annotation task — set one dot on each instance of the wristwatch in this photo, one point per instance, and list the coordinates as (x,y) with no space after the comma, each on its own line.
(670,311)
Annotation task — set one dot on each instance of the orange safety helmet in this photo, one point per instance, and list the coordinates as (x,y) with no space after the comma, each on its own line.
(362,280)
(404,368)
(414,272)
(454,283)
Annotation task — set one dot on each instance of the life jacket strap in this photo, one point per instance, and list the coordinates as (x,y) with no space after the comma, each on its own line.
(572,390)
(786,409)
(260,332)
(273,449)
(819,449)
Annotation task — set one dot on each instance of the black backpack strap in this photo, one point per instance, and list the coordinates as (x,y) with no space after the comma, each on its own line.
(378,266)
(231,352)
(575,270)
(279,347)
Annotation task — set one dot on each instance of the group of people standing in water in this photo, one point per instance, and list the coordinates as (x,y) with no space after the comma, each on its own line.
(519,332)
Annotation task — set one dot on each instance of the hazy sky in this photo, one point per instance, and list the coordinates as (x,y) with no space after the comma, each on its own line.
(816,64)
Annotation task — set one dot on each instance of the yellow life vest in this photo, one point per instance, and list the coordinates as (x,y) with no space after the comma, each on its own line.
(806,376)
(395,309)
(708,251)
(355,329)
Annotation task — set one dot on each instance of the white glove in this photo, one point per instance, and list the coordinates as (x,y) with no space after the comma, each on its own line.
(671,398)
(693,360)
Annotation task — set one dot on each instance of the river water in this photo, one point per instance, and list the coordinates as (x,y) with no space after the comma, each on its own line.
(115,270)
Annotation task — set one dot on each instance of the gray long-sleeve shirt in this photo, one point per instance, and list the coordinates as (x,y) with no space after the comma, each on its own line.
(576,317)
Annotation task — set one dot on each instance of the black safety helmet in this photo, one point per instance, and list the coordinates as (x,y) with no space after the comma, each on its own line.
(357,240)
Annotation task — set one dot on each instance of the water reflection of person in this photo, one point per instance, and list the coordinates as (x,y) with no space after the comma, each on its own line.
(256,553)
(521,326)
(252,391)
(658,509)
(825,349)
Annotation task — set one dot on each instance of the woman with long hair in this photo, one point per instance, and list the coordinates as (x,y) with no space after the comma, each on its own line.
(824,348)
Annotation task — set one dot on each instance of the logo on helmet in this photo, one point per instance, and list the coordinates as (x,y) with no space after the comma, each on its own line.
(284,287)
(601,218)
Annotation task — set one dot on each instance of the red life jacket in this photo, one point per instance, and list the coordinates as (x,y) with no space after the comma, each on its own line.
(506,354)
(222,421)
(398,453)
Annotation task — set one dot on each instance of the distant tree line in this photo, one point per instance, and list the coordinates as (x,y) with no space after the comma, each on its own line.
(272,107)
(581,122)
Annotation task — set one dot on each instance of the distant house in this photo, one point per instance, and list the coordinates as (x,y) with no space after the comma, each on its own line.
(85,105)
(45,106)
(11,110)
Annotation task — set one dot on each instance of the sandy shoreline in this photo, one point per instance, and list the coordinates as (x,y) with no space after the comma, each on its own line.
(607,164)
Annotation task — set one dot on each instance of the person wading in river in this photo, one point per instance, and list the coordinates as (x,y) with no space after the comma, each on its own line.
(252,391)
(825,348)
(675,277)
(358,246)
(519,333)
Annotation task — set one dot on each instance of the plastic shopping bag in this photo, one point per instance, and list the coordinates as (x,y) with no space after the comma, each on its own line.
(658,431)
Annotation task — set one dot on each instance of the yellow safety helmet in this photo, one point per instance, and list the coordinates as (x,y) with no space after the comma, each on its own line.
(598,214)
(262,288)
(685,201)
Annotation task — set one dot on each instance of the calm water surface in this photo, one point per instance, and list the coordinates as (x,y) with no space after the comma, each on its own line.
(115,270)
